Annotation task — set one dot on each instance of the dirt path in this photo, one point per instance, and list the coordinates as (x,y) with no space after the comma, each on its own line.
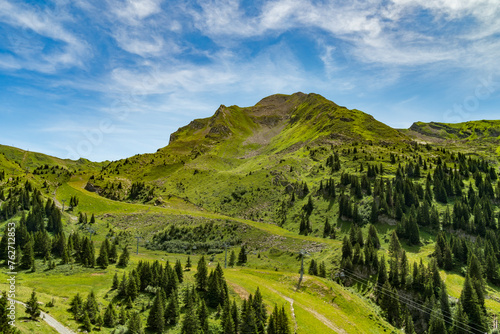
(52,322)
(244,294)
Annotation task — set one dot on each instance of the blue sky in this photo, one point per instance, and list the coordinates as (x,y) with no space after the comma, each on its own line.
(108,79)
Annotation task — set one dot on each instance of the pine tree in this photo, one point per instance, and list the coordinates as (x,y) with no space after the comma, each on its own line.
(123,316)
(172,310)
(156,318)
(201,275)
(110,317)
(92,307)
(202,313)
(178,271)
(124,257)
(32,307)
(190,323)
(313,268)
(394,244)
(471,306)
(134,325)
(373,236)
(260,311)
(436,325)
(460,321)
(116,282)
(28,257)
(103,259)
(87,325)
(76,306)
(242,256)
(232,259)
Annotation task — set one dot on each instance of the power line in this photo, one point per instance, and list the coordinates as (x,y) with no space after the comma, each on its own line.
(415,304)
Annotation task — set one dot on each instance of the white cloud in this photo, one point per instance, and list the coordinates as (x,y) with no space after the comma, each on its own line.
(134,11)
(382,32)
(32,55)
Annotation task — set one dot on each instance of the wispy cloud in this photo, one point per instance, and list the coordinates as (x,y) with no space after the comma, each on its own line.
(72,51)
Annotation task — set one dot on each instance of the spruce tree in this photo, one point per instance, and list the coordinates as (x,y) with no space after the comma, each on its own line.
(28,257)
(190,323)
(178,271)
(201,275)
(202,313)
(232,259)
(134,325)
(124,257)
(110,317)
(76,306)
(92,307)
(436,325)
(373,236)
(156,318)
(103,259)
(172,312)
(242,256)
(32,307)
(116,282)
(87,325)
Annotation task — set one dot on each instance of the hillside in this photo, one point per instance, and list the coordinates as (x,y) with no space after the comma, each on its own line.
(398,230)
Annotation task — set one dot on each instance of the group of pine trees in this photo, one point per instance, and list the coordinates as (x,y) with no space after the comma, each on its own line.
(171,305)
(413,296)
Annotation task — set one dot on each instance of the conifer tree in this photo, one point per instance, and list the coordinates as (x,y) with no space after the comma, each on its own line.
(242,256)
(103,259)
(76,306)
(232,259)
(460,321)
(123,317)
(28,257)
(172,310)
(110,317)
(313,268)
(87,324)
(373,236)
(116,282)
(124,257)
(134,325)
(202,313)
(202,275)
(178,271)
(190,323)
(471,306)
(91,307)
(436,325)
(156,318)
(32,307)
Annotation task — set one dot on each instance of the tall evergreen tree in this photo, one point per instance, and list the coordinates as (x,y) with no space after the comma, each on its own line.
(202,275)
(134,325)
(124,257)
(156,318)
(242,256)
(32,307)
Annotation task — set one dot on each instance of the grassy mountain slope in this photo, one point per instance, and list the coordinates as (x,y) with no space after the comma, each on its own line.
(472,130)
(253,177)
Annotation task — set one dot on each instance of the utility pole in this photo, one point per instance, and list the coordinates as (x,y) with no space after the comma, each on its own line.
(63,201)
(225,259)
(137,237)
(302,255)
(91,231)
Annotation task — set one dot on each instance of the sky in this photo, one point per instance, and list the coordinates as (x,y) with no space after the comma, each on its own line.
(108,79)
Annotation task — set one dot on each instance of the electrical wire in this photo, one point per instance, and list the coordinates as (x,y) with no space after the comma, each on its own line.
(414,304)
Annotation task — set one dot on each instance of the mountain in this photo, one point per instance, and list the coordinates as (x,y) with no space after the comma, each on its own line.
(277,123)
(472,130)
(294,179)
